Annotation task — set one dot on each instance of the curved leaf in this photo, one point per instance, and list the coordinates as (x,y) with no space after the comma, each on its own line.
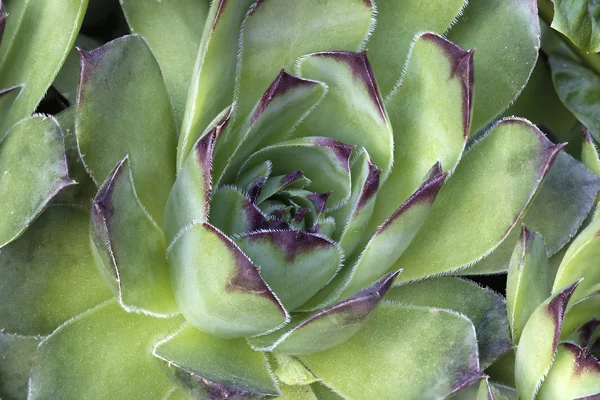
(123,109)
(589,154)
(33,169)
(129,247)
(579,21)
(218,290)
(7,98)
(210,367)
(28,57)
(16,353)
(103,342)
(580,312)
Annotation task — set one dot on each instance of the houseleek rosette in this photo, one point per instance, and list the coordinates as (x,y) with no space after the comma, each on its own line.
(293,233)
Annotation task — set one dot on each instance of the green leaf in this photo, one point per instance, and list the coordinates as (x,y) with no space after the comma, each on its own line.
(190,196)
(48,274)
(212,81)
(7,98)
(586,335)
(220,300)
(495,182)
(579,21)
(327,328)
(67,80)
(394,350)
(325,161)
(352,112)
(297,393)
(485,308)
(104,342)
(207,366)
(123,109)
(129,247)
(3,15)
(506,34)
(295,264)
(292,372)
(486,390)
(528,283)
(173,30)
(276,33)
(285,103)
(581,261)
(538,343)
(16,353)
(33,169)
(589,154)
(575,373)
(397,24)
(430,113)
(322,392)
(28,57)
(579,90)
(580,312)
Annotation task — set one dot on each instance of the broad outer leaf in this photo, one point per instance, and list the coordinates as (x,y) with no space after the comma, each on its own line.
(481,202)
(218,288)
(575,373)
(430,113)
(398,21)
(394,350)
(538,343)
(506,34)
(33,169)
(329,327)
(213,78)
(104,353)
(123,108)
(173,30)
(352,112)
(16,353)
(579,90)
(529,280)
(579,20)
(485,308)
(129,247)
(276,33)
(581,261)
(28,57)
(48,274)
(294,264)
(210,367)
(589,154)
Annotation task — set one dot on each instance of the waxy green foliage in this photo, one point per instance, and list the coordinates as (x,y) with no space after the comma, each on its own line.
(266,199)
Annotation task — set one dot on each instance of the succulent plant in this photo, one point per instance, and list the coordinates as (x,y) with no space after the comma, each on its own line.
(259,199)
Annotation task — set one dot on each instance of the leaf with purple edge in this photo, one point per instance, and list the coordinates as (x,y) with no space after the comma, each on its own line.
(575,374)
(173,30)
(129,247)
(206,366)
(506,34)
(189,199)
(353,111)
(123,109)
(212,80)
(580,312)
(395,351)
(28,57)
(328,327)
(494,183)
(275,34)
(430,112)
(16,353)
(584,336)
(294,264)
(538,343)
(33,170)
(529,282)
(249,179)
(273,185)
(217,286)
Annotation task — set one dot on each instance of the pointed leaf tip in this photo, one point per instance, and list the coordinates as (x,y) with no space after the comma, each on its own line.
(558,306)
(370,186)
(342,151)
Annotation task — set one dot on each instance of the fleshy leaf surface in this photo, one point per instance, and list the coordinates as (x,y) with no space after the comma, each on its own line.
(173,30)
(485,308)
(7,97)
(104,342)
(123,109)
(589,154)
(33,169)
(515,156)
(581,312)
(16,353)
(28,57)
(579,20)
(130,247)
(506,34)
(217,287)
(210,367)
(386,351)
(529,281)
